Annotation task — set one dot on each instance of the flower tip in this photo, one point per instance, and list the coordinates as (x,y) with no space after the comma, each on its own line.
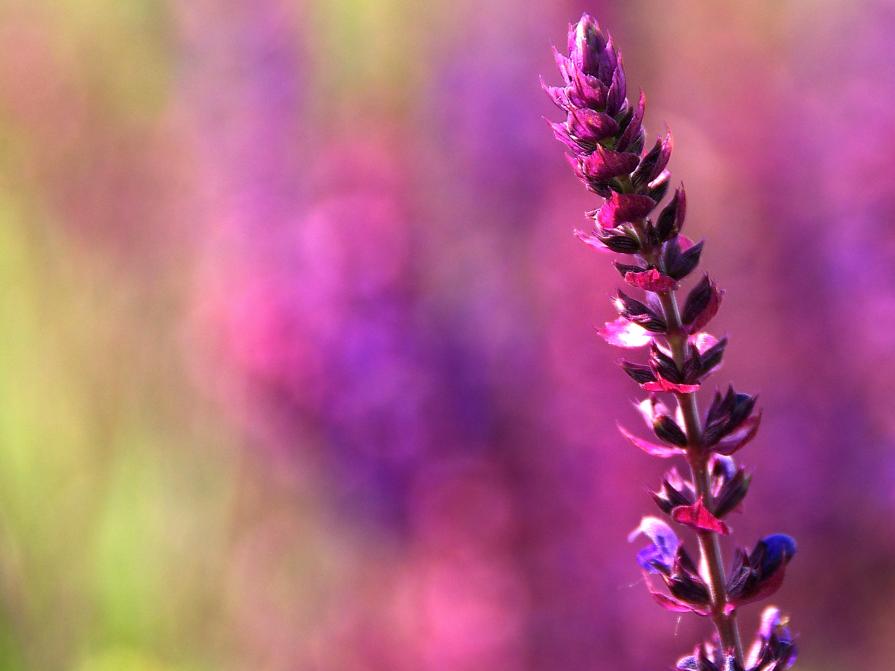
(781,545)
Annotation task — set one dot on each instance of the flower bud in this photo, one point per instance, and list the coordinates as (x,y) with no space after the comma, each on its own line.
(671,219)
(678,263)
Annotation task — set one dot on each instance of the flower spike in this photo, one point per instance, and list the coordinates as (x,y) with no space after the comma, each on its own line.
(603,134)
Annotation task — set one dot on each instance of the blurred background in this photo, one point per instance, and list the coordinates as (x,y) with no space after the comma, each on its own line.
(297,357)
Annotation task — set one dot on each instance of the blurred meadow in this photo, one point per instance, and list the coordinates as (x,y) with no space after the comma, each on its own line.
(297,356)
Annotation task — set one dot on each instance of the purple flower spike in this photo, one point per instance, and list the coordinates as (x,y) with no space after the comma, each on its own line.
(604,135)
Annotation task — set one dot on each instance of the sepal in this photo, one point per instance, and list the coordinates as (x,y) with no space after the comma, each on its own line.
(701,305)
(774,648)
(654,162)
(707,657)
(666,429)
(730,492)
(640,373)
(760,573)
(633,130)
(671,219)
(639,313)
(674,492)
(618,241)
(679,263)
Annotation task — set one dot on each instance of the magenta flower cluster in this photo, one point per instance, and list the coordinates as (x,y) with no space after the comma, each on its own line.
(604,134)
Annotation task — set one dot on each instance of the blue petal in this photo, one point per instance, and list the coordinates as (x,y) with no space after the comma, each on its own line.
(780,549)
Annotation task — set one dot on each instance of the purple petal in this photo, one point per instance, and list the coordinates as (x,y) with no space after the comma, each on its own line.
(660,534)
(566,67)
(608,62)
(617,89)
(561,133)
(588,91)
(663,547)
(558,94)
(591,126)
(586,43)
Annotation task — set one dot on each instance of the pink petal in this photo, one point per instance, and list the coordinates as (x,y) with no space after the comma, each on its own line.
(744,433)
(650,408)
(661,384)
(703,341)
(675,605)
(698,517)
(604,164)
(661,451)
(650,280)
(623,333)
(592,240)
(622,208)
(660,179)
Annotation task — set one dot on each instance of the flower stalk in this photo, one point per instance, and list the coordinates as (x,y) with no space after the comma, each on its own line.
(604,134)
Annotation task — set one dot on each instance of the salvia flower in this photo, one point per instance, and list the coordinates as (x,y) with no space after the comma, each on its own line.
(605,142)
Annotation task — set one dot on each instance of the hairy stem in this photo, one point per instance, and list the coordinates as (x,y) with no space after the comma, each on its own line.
(698,460)
(698,457)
